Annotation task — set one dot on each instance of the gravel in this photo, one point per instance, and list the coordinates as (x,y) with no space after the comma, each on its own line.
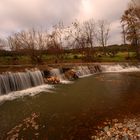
(128,129)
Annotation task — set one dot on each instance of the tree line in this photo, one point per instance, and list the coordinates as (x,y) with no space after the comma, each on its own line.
(83,36)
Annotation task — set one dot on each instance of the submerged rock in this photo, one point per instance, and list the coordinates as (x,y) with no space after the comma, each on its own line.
(52,80)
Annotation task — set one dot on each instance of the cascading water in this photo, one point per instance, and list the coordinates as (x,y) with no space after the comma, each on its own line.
(120,68)
(10,82)
(83,71)
(57,73)
(18,81)
(32,82)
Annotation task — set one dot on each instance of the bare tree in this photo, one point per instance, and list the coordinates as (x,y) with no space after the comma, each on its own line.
(2,44)
(89,36)
(124,35)
(32,42)
(81,36)
(55,43)
(102,34)
(75,36)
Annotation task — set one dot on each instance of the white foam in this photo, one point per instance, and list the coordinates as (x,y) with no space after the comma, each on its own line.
(83,76)
(56,72)
(66,82)
(30,92)
(119,68)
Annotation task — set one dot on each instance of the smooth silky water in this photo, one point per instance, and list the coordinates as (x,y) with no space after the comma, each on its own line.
(73,111)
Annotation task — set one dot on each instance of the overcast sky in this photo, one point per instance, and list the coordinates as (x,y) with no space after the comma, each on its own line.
(16,15)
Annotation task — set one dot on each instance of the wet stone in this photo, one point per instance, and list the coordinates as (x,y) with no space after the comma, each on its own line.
(138,130)
(127,130)
(106,128)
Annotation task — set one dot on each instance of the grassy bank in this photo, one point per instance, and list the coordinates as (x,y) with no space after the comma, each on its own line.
(67,58)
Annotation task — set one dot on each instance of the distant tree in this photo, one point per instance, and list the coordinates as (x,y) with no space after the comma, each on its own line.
(75,37)
(82,36)
(89,36)
(124,34)
(2,44)
(55,42)
(102,34)
(32,42)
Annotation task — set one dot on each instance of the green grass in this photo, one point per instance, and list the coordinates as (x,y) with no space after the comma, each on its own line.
(67,58)
(120,57)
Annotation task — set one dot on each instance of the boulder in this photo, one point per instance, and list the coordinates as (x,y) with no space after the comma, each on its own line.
(71,75)
(52,80)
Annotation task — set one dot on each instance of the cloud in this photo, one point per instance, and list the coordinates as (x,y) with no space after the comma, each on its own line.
(103,9)
(115,36)
(21,14)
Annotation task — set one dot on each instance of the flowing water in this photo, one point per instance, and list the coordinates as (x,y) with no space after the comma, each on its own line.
(72,111)
(10,82)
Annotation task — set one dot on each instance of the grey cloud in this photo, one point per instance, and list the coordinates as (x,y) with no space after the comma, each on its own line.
(22,14)
(115,36)
(39,11)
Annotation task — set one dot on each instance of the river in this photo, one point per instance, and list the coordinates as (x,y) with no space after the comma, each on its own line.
(71,111)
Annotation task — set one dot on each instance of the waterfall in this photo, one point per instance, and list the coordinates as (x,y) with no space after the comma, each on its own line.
(83,71)
(10,82)
(56,72)
(21,80)
(120,68)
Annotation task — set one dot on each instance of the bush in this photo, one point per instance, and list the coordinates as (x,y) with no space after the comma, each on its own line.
(75,57)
